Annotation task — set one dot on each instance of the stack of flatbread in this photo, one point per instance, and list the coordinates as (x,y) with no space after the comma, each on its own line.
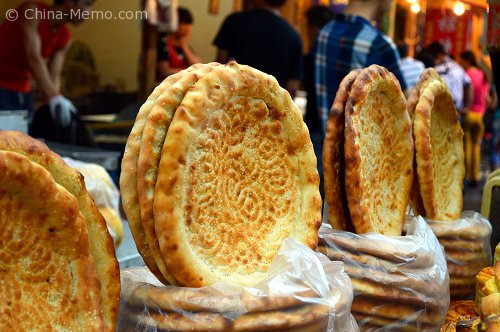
(218,170)
(189,309)
(368,154)
(58,269)
(466,248)
(439,154)
(397,284)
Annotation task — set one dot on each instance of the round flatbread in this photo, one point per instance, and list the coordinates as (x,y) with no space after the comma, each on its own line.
(333,159)
(101,243)
(378,153)
(439,153)
(202,299)
(237,176)
(454,244)
(47,279)
(393,324)
(128,176)
(287,320)
(427,76)
(153,137)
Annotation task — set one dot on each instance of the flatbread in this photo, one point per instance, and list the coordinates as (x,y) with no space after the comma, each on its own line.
(333,159)
(302,316)
(379,263)
(427,76)
(439,153)
(454,244)
(393,324)
(478,233)
(47,277)
(392,310)
(378,153)
(200,299)
(237,176)
(101,243)
(465,270)
(128,176)
(153,136)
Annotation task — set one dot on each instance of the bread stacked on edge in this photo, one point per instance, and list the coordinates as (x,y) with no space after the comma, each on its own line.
(59,269)
(218,170)
(368,154)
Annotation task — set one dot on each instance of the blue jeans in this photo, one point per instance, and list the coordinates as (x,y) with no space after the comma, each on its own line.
(13,100)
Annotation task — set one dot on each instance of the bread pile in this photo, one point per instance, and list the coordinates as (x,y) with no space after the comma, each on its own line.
(57,261)
(190,309)
(488,293)
(465,242)
(218,170)
(439,154)
(368,154)
(462,316)
(396,283)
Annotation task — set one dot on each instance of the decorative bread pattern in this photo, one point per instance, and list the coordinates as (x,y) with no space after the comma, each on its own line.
(47,279)
(378,153)
(236,177)
(333,158)
(101,243)
(439,153)
(153,136)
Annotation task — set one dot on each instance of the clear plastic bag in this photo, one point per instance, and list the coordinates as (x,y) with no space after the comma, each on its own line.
(400,283)
(106,195)
(303,291)
(466,242)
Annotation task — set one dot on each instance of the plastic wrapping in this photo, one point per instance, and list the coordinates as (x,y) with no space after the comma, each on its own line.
(104,192)
(303,291)
(400,283)
(466,243)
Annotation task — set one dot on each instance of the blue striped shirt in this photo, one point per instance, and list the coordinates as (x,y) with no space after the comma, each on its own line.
(345,43)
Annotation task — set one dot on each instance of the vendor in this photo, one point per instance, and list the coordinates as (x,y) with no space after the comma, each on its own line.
(35,38)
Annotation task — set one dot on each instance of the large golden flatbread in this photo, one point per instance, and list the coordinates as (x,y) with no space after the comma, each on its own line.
(333,158)
(101,243)
(439,153)
(128,176)
(237,176)
(427,76)
(378,153)
(153,136)
(47,275)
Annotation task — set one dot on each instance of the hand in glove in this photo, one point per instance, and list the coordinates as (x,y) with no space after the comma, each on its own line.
(61,110)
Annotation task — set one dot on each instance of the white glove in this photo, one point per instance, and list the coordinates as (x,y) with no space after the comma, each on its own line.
(61,110)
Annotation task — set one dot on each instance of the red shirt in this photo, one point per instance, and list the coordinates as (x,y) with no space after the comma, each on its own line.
(14,67)
(480,88)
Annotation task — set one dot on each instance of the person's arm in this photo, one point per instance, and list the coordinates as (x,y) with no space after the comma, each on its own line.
(33,47)
(56,64)
(165,69)
(189,55)
(468,95)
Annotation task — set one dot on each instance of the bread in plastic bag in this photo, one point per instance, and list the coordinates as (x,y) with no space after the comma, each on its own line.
(466,243)
(105,194)
(400,283)
(303,291)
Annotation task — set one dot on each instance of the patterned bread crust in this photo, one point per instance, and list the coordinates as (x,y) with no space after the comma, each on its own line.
(333,159)
(48,279)
(439,153)
(128,177)
(378,153)
(153,136)
(427,76)
(101,243)
(236,177)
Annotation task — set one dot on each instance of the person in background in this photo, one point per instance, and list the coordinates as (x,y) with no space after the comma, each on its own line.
(472,121)
(174,52)
(410,67)
(350,41)
(261,38)
(317,17)
(454,75)
(34,44)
